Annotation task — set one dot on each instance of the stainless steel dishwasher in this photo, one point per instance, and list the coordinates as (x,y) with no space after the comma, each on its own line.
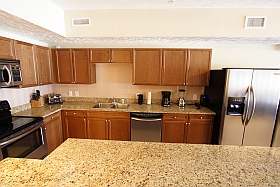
(146,127)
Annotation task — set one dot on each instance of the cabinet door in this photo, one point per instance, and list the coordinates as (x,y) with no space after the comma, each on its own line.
(199,129)
(198,67)
(25,53)
(119,129)
(174,67)
(75,127)
(43,63)
(53,131)
(81,66)
(97,128)
(121,55)
(100,55)
(64,66)
(147,66)
(173,131)
(7,48)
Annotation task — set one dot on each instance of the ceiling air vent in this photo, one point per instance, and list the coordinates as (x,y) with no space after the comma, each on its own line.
(255,21)
(81,22)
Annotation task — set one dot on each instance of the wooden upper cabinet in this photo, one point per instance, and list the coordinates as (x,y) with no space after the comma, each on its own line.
(7,49)
(64,66)
(25,53)
(81,66)
(117,55)
(198,67)
(147,66)
(100,55)
(72,67)
(121,55)
(174,67)
(43,64)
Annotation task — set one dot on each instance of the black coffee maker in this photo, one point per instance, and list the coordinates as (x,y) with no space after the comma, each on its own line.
(165,98)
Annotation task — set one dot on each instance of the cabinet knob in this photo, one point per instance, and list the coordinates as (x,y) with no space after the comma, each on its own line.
(74,113)
(174,117)
(52,117)
(74,82)
(200,117)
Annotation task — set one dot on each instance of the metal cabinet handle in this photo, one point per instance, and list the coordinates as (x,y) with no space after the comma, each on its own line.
(200,117)
(174,117)
(52,117)
(74,113)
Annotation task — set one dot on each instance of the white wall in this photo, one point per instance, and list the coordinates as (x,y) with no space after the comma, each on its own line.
(40,12)
(21,96)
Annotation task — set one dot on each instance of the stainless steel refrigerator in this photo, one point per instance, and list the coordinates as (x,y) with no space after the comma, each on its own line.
(246,103)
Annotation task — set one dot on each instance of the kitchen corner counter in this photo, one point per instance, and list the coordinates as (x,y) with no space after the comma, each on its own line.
(79,105)
(84,162)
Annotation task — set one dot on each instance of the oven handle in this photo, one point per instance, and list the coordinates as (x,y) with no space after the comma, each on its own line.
(20,136)
(146,119)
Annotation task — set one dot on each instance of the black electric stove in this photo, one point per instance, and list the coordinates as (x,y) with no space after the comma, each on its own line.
(12,124)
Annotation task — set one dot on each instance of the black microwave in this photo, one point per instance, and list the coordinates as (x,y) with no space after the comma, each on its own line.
(10,73)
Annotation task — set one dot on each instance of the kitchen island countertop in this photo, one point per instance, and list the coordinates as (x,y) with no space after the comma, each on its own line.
(84,162)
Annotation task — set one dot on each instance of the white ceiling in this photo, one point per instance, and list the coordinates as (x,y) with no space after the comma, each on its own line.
(157,4)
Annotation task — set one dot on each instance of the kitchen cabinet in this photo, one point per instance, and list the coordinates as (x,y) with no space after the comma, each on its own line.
(53,131)
(43,65)
(72,67)
(147,65)
(25,53)
(74,124)
(173,128)
(7,49)
(198,67)
(199,128)
(117,55)
(108,125)
(192,128)
(174,67)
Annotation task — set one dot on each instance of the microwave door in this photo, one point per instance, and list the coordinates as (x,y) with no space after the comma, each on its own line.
(5,76)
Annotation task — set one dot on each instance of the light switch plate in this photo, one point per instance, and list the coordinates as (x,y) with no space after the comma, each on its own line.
(70,93)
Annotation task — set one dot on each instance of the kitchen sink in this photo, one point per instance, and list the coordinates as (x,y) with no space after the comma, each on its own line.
(112,105)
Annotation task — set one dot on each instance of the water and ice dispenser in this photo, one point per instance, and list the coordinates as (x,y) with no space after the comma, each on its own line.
(235,105)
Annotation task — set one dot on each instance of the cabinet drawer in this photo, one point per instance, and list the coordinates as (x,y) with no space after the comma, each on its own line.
(200,117)
(97,114)
(52,117)
(75,113)
(174,116)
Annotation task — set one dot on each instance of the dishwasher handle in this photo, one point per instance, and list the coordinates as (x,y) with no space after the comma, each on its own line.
(146,119)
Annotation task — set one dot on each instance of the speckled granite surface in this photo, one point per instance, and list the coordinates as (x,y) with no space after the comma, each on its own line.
(80,105)
(84,162)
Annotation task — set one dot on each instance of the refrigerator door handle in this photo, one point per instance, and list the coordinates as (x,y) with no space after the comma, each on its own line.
(246,109)
(253,107)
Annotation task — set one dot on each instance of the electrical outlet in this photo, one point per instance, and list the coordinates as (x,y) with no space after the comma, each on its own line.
(77,94)
(194,96)
(137,95)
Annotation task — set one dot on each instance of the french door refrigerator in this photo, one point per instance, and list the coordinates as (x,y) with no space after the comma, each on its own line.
(246,103)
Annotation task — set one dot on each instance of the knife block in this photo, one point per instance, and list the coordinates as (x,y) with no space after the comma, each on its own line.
(37,104)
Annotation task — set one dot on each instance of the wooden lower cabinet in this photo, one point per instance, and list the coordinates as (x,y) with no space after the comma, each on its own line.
(192,128)
(74,124)
(53,131)
(108,125)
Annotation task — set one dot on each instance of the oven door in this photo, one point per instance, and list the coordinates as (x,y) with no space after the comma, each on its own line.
(29,144)
(5,75)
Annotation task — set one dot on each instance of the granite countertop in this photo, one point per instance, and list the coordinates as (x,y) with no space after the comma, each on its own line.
(80,105)
(84,162)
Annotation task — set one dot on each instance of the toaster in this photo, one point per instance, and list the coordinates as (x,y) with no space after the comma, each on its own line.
(54,98)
